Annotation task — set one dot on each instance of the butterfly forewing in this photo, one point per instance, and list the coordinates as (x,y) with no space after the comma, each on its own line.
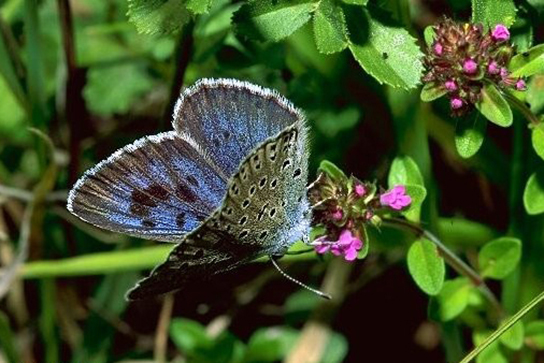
(159,187)
(230,118)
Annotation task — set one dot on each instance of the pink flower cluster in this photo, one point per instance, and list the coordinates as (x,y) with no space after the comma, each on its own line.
(347,245)
(396,198)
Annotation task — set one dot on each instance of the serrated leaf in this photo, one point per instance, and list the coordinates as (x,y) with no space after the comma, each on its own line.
(533,195)
(272,20)
(454,297)
(494,107)
(431,92)
(534,334)
(498,258)
(158,16)
(332,170)
(429,35)
(538,140)
(198,6)
(330,30)
(528,63)
(492,12)
(371,36)
(404,170)
(513,337)
(426,266)
(470,134)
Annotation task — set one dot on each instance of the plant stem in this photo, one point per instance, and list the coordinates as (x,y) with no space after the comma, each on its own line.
(507,325)
(451,258)
(523,109)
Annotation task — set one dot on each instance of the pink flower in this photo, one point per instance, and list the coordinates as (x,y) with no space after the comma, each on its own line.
(500,33)
(347,245)
(450,85)
(470,66)
(438,48)
(456,103)
(504,72)
(360,190)
(493,68)
(396,198)
(337,214)
(520,85)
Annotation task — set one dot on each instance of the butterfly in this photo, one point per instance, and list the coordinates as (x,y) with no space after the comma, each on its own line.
(227,185)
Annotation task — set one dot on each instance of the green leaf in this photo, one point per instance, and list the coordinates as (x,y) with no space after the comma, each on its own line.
(492,354)
(498,258)
(533,195)
(272,19)
(404,170)
(428,35)
(336,349)
(418,194)
(538,140)
(431,92)
(158,16)
(454,297)
(198,6)
(106,94)
(426,266)
(528,63)
(494,107)
(469,134)
(371,36)
(330,30)
(513,337)
(270,344)
(332,170)
(355,2)
(534,334)
(7,341)
(189,335)
(332,123)
(492,12)
(366,245)
(535,93)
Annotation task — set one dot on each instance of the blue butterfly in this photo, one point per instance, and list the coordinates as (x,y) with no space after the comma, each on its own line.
(227,185)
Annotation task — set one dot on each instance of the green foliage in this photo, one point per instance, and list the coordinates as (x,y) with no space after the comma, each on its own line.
(454,297)
(528,63)
(498,258)
(431,92)
(159,16)
(491,12)
(332,170)
(373,34)
(492,354)
(470,134)
(272,20)
(534,334)
(330,29)
(537,138)
(533,196)
(513,337)
(426,266)
(270,344)
(494,107)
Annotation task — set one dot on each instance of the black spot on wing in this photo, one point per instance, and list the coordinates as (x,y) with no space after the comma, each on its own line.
(142,198)
(185,193)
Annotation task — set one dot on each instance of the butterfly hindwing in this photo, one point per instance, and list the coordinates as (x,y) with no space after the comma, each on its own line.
(159,187)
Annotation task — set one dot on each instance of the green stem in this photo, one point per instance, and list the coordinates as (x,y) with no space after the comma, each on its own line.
(507,325)
(451,259)
(522,108)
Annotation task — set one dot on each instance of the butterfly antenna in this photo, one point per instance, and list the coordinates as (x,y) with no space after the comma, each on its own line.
(292,279)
